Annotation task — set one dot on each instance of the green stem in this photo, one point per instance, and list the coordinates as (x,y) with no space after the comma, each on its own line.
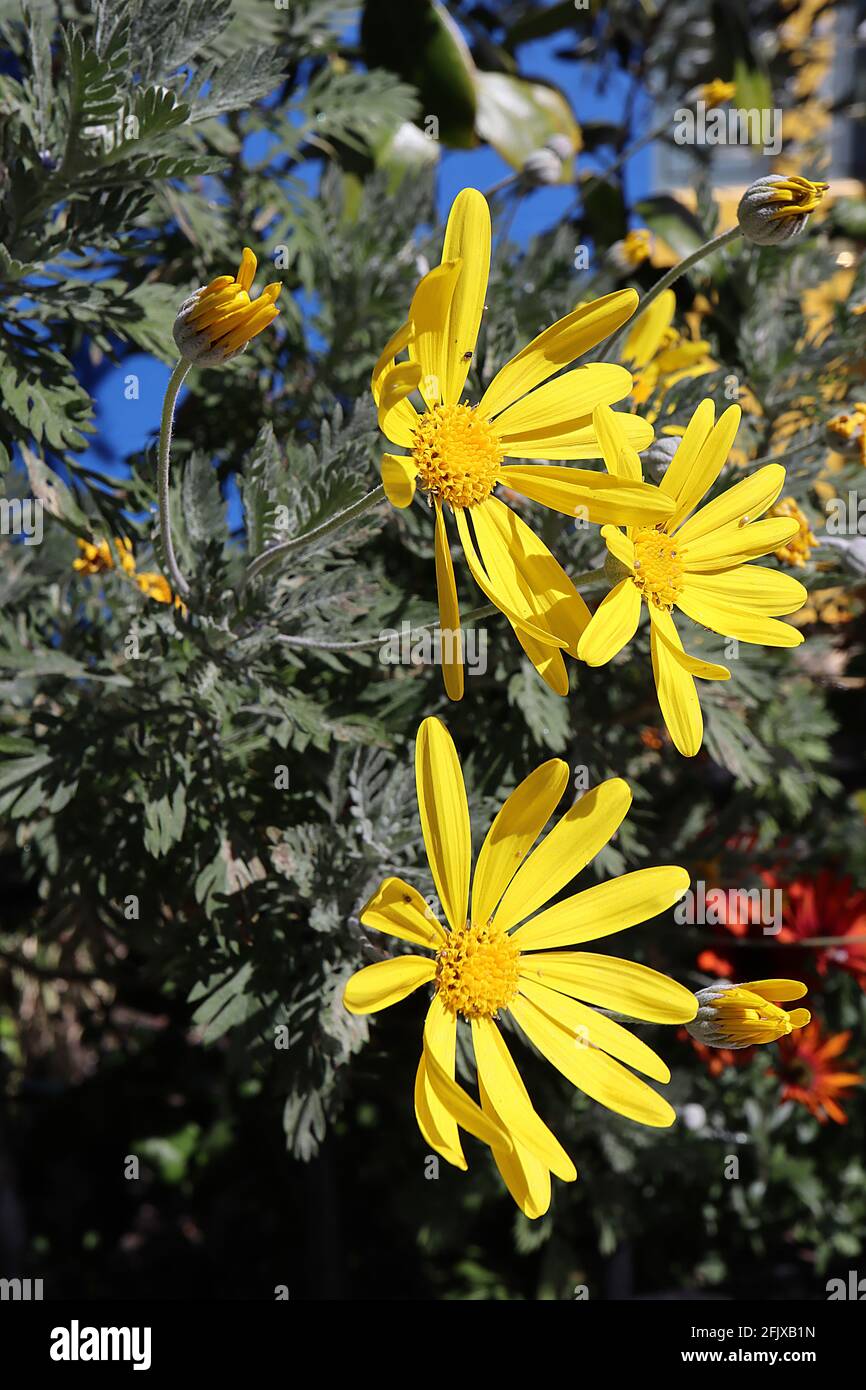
(279,552)
(323,643)
(669,278)
(163,474)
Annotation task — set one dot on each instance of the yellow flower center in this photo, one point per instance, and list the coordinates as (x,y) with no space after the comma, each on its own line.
(458,455)
(658,569)
(476,971)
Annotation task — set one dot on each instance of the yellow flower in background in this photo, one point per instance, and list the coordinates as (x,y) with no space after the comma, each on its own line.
(155,586)
(218,321)
(98,558)
(457,451)
(503,956)
(659,355)
(696,562)
(797,550)
(850,426)
(634,248)
(737,1016)
(716,92)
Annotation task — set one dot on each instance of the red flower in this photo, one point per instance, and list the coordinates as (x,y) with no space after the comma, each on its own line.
(805,1070)
(826,906)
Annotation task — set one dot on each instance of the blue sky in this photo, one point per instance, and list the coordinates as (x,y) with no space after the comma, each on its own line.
(124,425)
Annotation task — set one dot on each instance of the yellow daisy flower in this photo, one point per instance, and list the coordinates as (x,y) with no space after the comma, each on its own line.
(736,1016)
(717,92)
(695,561)
(658,354)
(797,550)
(457,450)
(504,956)
(98,558)
(155,586)
(217,322)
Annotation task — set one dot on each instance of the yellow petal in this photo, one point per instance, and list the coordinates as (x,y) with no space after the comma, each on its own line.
(398,478)
(398,417)
(665,631)
(508,1096)
(385,983)
(750,497)
(438,1127)
(621,985)
(442,1143)
(695,436)
(571,844)
(592,1029)
(604,909)
(547,661)
(709,464)
(620,458)
(593,1072)
(596,497)
(613,624)
(729,621)
(620,545)
(460,1106)
(398,909)
(514,831)
(247,269)
(467,239)
(777,991)
(525,1176)
(675,687)
(444,816)
(431,306)
(578,442)
(395,344)
(562,405)
(501,587)
(449,612)
(542,576)
(563,342)
(733,545)
(645,336)
(771,593)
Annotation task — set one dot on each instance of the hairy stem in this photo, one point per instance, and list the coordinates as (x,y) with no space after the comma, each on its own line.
(179,584)
(279,552)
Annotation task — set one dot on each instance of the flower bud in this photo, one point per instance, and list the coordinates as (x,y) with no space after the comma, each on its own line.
(737,1016)
(776,208)
(217,322)
(545,165)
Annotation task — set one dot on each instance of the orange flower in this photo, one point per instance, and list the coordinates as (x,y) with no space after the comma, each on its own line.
(805,1069)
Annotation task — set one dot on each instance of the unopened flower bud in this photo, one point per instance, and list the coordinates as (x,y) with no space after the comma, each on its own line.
(217,322)
(545,165)
(737,1016)
(776,208)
